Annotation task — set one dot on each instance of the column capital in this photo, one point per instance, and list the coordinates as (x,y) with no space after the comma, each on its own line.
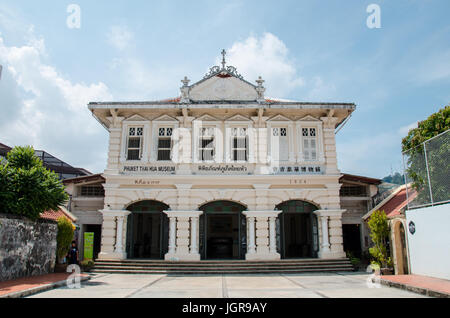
(262,213)
(334,212)
(113,213)
(183,213)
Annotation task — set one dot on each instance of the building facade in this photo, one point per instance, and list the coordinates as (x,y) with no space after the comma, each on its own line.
(357,196)
(221,173)
(86,199)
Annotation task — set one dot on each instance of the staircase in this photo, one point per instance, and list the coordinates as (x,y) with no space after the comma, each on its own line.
(221,266)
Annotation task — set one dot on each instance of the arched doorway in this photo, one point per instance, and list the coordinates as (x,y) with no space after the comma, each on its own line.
(297,231)
(147,230)
(400,249)
(223,231)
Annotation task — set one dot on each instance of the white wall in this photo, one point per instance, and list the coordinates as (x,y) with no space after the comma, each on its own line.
(429,246)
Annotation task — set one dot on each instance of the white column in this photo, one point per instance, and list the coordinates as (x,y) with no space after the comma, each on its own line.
(114,234)
(183,235)
(251,232)
(272,235)
(194,225)
(325,242)
(119,237)
(172,234)
(331,225)
(264,235)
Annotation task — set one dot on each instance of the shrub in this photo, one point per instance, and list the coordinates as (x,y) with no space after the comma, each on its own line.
(356,262)
(64,237)
(27,188)
(379,233)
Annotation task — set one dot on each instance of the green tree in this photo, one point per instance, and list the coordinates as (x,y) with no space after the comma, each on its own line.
(437,155)
(64,237)
(27,188)
(379,233)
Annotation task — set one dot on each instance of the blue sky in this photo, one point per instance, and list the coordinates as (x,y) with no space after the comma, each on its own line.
(305,50)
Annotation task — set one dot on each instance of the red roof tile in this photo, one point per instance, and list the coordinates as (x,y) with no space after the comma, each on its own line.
(55,215)
(394,206)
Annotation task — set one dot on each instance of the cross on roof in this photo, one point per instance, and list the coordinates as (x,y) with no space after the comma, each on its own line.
(223,58)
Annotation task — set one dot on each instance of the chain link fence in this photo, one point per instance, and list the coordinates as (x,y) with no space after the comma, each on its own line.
(427,169)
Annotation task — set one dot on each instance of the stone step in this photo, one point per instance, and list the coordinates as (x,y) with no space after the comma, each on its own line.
(217,263)
(106,267)
(235,272)
(221,266)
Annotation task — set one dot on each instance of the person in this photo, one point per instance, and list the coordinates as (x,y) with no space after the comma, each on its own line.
(73,254)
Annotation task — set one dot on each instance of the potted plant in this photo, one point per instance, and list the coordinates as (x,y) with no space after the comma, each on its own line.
(87,264)
(379,233)
(63,240)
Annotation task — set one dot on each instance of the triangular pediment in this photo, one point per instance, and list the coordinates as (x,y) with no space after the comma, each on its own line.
(308,118)
(238,117)
(136,117)
(165,118)
(223,88)
(279,118)
(206,117)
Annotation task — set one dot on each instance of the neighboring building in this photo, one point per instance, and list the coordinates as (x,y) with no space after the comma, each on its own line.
(4,149)
(87,195)
(64,170)
(55,215)
(394,206)
(356,195)
(222,172)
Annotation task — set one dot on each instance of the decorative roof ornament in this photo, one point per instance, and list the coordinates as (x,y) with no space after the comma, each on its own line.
(223,58)
(260,89)
(185,90)
(224,70)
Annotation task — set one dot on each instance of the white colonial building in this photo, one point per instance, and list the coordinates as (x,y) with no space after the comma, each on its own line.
(221,173)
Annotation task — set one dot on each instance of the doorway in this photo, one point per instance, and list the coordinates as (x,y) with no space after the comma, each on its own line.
(97,230)
(147,230)
(351,235)
(296,228)
(223,231)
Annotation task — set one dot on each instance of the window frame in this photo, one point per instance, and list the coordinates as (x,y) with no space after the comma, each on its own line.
(205,121)
(126,124)
(310,122)
(247,143)
(279,121)
(239,121)
(165,121)
(134,136)
(201,137)
(166,136)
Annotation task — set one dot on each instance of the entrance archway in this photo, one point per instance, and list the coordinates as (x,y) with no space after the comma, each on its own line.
(297,231)
(223,230)
(400,249)
(147,230)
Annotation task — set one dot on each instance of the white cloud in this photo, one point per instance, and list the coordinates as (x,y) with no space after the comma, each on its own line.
(120,37)
(40,107)
(403,131)
(265,56)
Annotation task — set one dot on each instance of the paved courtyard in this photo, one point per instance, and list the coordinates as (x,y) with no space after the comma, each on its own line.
(228,286)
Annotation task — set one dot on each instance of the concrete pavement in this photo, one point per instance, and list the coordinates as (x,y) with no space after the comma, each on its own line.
(311,285)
